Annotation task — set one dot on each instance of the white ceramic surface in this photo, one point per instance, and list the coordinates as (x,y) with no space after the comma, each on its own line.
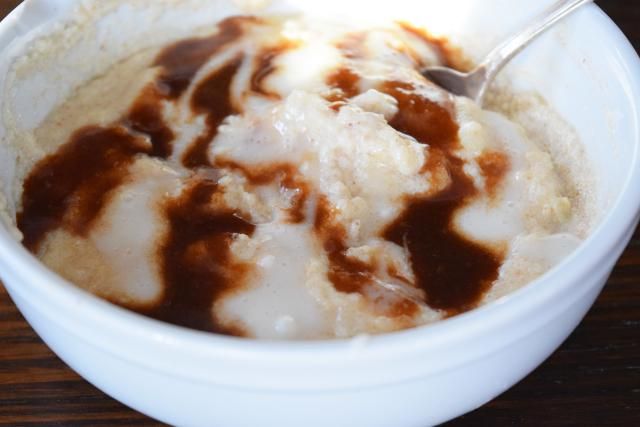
(585,68)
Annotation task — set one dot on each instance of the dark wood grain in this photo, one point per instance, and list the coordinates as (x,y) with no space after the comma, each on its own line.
(593,379)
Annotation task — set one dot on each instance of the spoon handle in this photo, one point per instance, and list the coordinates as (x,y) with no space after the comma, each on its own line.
(502,54)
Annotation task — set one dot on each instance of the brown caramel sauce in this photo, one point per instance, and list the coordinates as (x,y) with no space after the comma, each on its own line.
(145,118)
(423,119)
(180,62)
(346,83)
(265,66)
(285,175)
(347,274)
(212,98)
(196,263)
(494,165)
(70,188)
(453,271)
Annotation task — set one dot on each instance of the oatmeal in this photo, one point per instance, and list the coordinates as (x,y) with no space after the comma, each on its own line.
(282,178)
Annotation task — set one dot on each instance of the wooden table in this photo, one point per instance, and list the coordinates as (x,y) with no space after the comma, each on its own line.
(593,379)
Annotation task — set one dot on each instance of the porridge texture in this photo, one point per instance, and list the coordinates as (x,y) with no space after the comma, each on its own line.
(284,178)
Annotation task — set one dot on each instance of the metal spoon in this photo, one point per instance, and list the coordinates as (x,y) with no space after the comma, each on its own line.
(474,84)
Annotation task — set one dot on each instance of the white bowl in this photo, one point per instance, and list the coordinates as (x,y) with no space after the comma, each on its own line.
(585,68)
